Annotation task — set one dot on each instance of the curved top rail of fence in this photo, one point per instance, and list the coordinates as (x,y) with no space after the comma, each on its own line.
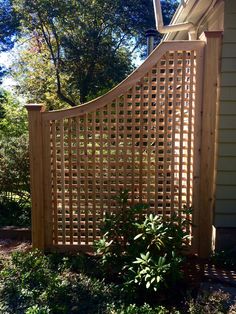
(127,83)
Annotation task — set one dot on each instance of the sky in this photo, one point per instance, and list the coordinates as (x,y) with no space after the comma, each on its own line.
(5,60)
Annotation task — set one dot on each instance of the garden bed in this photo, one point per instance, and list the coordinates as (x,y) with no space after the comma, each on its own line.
(59,283)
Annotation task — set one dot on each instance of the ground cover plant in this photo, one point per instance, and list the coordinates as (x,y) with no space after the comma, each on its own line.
(225,259)
(35,283)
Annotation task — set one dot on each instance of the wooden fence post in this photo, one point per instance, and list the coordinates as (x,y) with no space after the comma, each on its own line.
(208,139)
(36,174)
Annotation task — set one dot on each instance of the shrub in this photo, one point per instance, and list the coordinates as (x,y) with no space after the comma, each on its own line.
(160,243)
(13,116)
(35,283)
(29,281)
(145,250)
(14,182)
(118,232)
(225,259)
(35,309)
(134,309)
(215,302)
(14,162)
(14,211)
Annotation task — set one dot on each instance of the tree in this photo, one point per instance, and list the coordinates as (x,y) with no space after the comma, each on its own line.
(9,24)
(13,117)
(14,162)
(88,41)
(33,70)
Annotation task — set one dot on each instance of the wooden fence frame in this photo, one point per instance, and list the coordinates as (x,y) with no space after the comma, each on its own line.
(39,145)
(209,136)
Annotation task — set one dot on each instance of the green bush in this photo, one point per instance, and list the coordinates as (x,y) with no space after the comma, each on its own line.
(14,212)
(13,116)
(160,242)
(29,281)
(14,162)
(35,283)
(14,182)
(144,250)
(118,232)
(35,309)
(225,259)
(134,309)
(216,302)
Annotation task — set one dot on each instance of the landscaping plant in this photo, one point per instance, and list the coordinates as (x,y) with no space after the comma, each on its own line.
(211,302)
(14,182)
(145,250)
(33,283)
(14,163)
(225,259)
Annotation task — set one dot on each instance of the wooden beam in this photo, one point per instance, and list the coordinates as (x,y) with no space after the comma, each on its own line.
(208,140)
(36,173)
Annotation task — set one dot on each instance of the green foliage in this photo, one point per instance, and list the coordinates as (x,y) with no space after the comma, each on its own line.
(13,116)
(146,250)
(33,70)
(35,283)
(14,166)
(29,281)
(81,44)
(153,273)
(225,259)
(118,231)
(216,302)
(160,241)
(14,163)
(9,24)
(14,182)
(134,309)
(14,212)
(86,46)
(35,309)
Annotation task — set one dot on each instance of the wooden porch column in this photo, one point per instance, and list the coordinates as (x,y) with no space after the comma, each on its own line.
(36,174)
(211,79)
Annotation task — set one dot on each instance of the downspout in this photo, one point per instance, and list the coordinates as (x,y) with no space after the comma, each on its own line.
(171,28)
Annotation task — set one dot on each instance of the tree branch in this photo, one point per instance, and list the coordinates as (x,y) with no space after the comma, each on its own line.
(55,60)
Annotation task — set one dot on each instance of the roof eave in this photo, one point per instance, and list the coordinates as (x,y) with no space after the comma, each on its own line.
(187,11)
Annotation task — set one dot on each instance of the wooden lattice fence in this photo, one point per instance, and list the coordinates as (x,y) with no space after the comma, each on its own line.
(143,136)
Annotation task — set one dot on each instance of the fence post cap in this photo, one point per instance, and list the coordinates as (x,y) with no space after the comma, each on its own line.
(210,34)
(35,107)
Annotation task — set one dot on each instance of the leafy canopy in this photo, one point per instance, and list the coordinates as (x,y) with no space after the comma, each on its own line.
(9,23)
(89,43)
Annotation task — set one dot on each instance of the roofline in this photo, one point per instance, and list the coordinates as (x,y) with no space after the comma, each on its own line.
(183,12)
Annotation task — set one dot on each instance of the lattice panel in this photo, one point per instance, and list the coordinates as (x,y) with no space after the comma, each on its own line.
(143,142)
